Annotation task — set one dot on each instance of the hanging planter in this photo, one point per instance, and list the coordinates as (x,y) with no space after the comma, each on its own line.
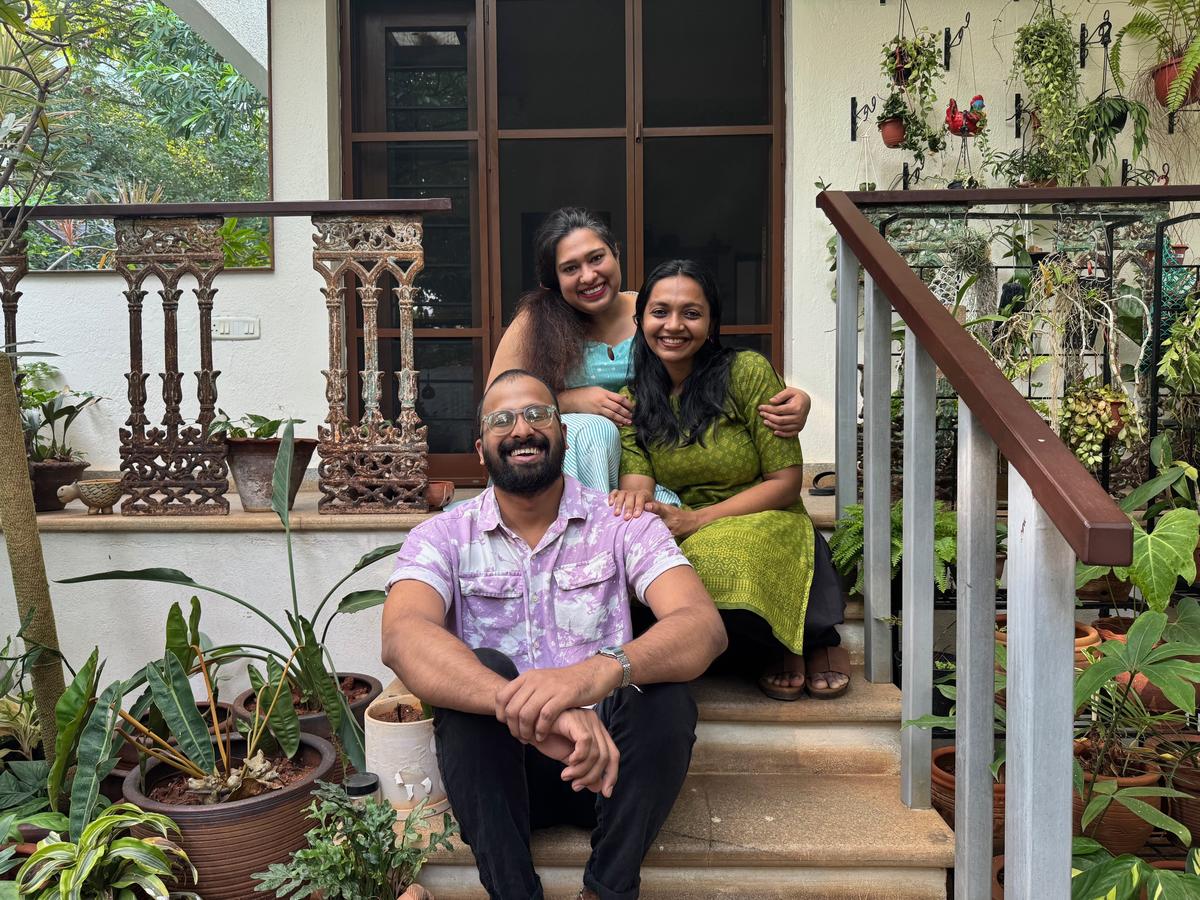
(1164,76)
(893,132)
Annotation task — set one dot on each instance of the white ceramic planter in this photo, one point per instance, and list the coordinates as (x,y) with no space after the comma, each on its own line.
(404,756)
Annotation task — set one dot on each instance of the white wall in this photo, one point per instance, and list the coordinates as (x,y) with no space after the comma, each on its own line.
(236,29)
(833,50)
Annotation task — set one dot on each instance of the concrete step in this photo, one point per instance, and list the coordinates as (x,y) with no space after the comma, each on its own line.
(743,730)
(752,836)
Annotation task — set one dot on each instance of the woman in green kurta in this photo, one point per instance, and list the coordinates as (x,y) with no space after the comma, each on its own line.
(696,430)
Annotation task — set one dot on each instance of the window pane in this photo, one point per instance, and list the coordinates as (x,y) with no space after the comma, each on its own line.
(536,178)
(561,63)
(706,62)
(449,283)
(426,76)
(723,226)
(448,389)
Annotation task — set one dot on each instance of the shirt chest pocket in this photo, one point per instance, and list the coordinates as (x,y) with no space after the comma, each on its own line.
(586,603)
(492,602)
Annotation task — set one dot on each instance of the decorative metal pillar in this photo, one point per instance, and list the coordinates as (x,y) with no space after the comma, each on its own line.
(375,466)
(175,469)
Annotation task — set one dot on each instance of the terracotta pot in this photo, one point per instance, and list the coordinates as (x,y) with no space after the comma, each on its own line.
(1183,776)
(1085,636)
(1118,830)
(128,757)
(1164,73)
(48,476)
(317,723)
(942,787)
(438,494)
(998,877)
(404,755)
(1113,628)
(252,464)
(1107,590)
(229,842)
(893,132)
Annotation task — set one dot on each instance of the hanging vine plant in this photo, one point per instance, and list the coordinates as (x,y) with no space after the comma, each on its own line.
(1046,59)
(913,67)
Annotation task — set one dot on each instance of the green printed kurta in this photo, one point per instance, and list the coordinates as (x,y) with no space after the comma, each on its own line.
(763,561)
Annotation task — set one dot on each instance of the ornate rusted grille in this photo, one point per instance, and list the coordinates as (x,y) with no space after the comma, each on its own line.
(174,469)
(374,466)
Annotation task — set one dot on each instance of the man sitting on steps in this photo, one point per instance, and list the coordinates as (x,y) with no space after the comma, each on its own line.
(510,616)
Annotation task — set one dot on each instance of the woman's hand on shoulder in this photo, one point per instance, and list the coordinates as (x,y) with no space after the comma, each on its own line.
(787,412)
(629,502)
(682,523)
(599,402)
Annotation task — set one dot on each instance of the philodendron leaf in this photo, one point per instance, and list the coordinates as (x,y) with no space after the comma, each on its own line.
(1155,817)
(174,699)
(357,601)
(1164,555)
(375,555)
(275,694)
(1110,878)
(282,478)
(70,714)
(323,681)
(1186,627)
(1143,634)
(97,756)
(351,735)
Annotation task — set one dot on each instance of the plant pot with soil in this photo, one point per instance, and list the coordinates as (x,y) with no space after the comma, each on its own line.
(1085,636)
(942,791)
(1164,76)
(251,449)
(402,751)
(46,417)
(1118,828)
(1178,755)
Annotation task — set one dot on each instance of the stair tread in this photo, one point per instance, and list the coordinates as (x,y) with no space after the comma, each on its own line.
(777,820)
(722,698)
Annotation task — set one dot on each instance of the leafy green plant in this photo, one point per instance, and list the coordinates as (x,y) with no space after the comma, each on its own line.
(61,410)
(248,426)
(19,724)
(846,543)
(1179,367)
(1106,117)
(1098,875)
(244,246)
(104,862)
(213,772)
(1092,413)
(353,852)
(912,65)
(312,679)
(1173,27)
(1120,723)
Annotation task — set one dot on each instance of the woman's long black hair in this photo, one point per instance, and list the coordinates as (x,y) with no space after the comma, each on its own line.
(557,327)
(704,392)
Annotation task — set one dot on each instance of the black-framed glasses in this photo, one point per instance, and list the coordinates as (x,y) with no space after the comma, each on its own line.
(502,421)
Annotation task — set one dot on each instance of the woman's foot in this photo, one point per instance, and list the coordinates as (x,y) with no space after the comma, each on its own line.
(785,680)
(828,671)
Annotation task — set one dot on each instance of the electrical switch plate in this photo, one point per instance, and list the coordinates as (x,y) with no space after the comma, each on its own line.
(235,328)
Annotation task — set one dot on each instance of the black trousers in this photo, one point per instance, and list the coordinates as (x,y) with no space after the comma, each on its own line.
(500,789)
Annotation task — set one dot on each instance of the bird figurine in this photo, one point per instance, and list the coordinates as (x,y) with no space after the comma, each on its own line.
(968,121)
(98,494)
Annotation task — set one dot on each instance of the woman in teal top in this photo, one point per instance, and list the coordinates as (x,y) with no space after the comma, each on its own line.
(575,332)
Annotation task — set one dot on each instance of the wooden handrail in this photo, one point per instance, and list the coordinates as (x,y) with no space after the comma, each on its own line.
(1022,196)
(1080,508)
(243,209)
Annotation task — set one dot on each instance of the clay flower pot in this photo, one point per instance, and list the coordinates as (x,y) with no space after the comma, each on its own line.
(1108,590)
(998,877)
(252,465)
(229,842)
(1113,628)
(438,494)
(1117,829)
(1085,636)
(893,132)
(1182,776)
(404,754)
(48,476)
(1164,73)
(942,788)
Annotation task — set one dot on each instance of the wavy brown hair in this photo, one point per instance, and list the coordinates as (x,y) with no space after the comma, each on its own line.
(557,327)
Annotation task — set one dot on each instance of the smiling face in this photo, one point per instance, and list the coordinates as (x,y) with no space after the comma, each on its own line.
(589,273)
(527,459)
(677,321)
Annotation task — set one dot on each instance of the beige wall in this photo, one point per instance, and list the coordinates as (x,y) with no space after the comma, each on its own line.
(833,49)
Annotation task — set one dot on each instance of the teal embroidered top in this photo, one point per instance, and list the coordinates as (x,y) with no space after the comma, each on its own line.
(598,368)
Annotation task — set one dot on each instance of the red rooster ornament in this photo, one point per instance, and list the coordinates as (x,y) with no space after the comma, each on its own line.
(966,122)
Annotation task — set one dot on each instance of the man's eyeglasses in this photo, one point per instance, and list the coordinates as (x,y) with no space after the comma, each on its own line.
(502,421)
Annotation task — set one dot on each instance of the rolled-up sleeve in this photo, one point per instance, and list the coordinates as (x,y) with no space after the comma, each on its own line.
(649,551)
(428,556)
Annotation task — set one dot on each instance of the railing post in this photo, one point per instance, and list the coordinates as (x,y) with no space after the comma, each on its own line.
(877,479)
(916,629)
(975,670)
(1040,688)
(846,377)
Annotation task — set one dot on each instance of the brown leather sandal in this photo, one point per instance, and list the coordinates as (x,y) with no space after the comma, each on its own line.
(826,659)
(780,692)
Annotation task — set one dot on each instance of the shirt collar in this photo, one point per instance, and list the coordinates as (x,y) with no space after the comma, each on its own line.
(571,506)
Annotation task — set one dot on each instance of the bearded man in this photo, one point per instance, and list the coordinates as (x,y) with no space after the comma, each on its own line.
(510,616)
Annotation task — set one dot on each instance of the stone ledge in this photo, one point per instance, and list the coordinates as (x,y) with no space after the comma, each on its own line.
(305,517)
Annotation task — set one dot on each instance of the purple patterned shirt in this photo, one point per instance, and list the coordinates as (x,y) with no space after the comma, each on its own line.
(554,605)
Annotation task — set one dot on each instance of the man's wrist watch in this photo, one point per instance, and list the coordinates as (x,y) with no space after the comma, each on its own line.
(619,655)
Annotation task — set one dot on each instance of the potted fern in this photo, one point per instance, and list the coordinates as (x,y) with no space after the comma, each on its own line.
(1173,28)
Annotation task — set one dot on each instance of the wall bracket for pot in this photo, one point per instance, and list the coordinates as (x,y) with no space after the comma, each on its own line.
(949,43)
(863,114)
(1101,37)
(1019,111)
